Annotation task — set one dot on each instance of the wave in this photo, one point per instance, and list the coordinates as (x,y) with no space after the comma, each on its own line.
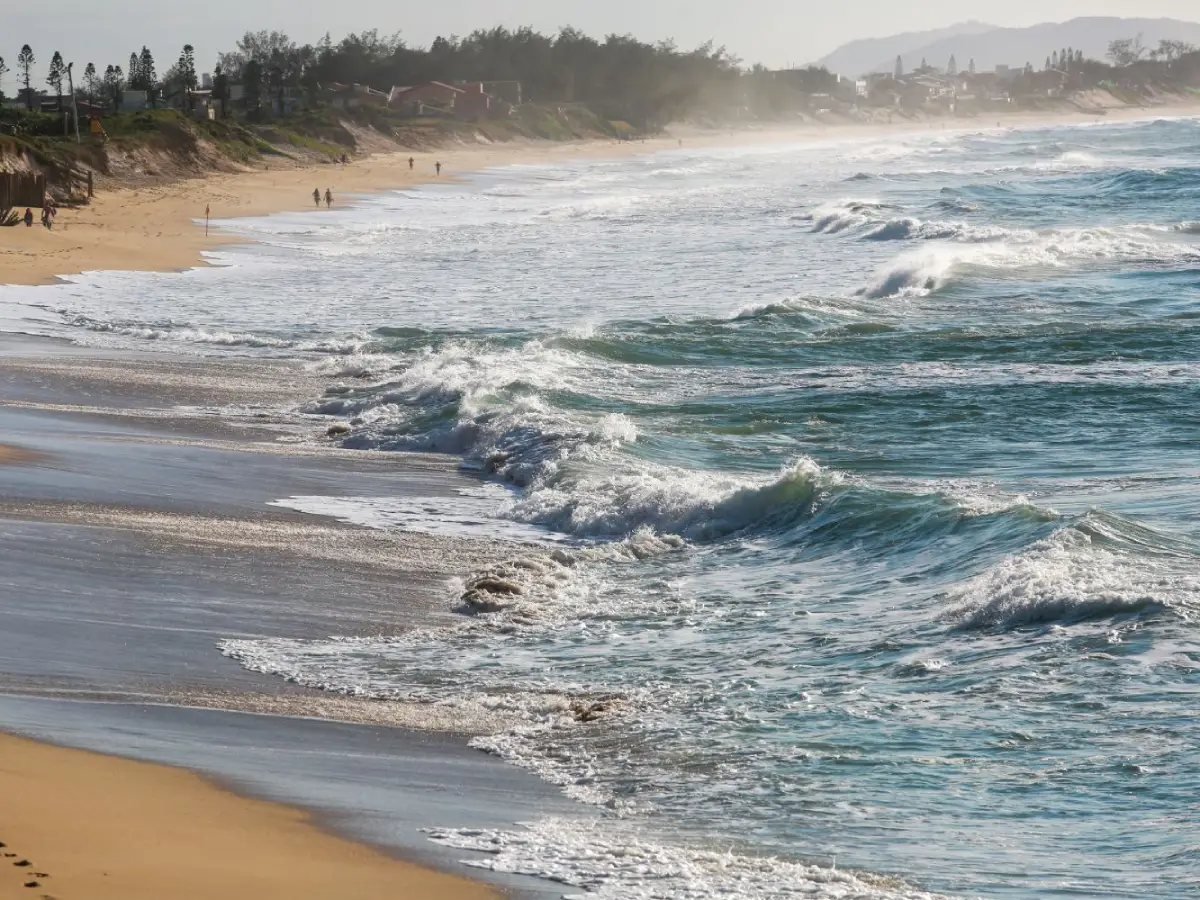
(909,229)
(834,218)
(612,860)
(1145,184)
(491,407)
(528,415)
(928,270)
(1087,570)
(189,334)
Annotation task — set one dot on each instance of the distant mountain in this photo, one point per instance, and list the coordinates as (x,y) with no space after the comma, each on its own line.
(1017,46)
(862,56)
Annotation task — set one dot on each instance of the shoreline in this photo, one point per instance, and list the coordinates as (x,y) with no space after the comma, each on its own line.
(104,826)
(160,228)
(208,509)
(184,516)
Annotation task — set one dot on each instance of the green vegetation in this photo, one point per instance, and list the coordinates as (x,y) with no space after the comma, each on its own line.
(272,97)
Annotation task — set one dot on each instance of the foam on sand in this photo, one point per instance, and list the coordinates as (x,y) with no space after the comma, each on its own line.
(608,860)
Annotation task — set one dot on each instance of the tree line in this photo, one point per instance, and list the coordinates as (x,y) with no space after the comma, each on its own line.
(107,87)
(619,77)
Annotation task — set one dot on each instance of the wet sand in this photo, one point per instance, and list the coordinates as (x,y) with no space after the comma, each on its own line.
(10,455)
(137,531)
(77,824)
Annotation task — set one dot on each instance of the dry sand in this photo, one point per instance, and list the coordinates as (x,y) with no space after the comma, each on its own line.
(154,228)
(82,825)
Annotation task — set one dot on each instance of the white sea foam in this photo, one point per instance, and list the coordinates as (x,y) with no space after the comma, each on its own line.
(470,512)
(606,861)
(187,334)
(843,215)
(489,405)
(932,267)
(1069,577)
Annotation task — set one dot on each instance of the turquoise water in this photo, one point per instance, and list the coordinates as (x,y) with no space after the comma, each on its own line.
(872,472)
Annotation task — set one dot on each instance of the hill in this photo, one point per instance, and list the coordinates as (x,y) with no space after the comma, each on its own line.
(1017,46)
(861,56)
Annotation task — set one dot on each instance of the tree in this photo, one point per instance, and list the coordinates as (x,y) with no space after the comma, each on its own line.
(25,60)
(186,71)
(952,66)
(220,88)
(898,73)
(148,74)
(1054,60)
(252,84)
(1169,51)
(58,73)
(91,85)
(1126,52)
(971,66)
(3,71)
(114,84)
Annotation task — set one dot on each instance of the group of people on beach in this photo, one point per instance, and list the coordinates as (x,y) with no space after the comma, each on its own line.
(49,211)
(316,194)
(412,164)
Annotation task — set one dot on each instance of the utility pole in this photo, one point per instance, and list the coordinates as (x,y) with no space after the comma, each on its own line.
(74,102)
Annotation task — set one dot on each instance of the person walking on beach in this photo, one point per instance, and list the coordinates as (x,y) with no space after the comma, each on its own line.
(328,198)
(28,217)
(48,215)
(438,166)
(411,162)
(317,197)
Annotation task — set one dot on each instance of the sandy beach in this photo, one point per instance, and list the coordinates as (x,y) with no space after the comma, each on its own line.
(161,228)
(76,824)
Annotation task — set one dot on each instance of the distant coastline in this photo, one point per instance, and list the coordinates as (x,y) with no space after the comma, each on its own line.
(159,225)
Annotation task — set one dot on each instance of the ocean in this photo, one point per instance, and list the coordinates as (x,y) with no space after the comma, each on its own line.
(857,482)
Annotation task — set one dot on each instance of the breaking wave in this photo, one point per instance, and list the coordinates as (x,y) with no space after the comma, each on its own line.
(1084,571)
(927,270)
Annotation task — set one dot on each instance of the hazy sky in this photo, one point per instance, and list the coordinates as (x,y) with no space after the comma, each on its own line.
(776,32)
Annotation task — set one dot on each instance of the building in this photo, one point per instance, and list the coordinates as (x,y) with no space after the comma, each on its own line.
(466,99)
(133,101)
(436,94)
(349,96)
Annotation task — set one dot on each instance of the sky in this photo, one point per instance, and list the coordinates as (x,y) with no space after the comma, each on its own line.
(777,33)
